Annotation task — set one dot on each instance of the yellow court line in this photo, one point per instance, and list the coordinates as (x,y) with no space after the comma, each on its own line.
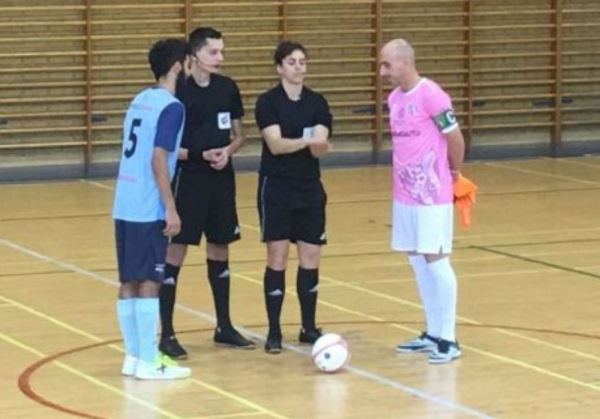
(88,378)
(321,301)
(463,319)
(229,415)
(535,368)
(411,280)
(58,322)
(473,349)
(376,281)
(250,227)
(80,332)
(100,185)
(240,400)
(457,236)
(521,233)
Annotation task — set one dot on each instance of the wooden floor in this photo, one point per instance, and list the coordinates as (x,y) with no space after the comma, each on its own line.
(529,308)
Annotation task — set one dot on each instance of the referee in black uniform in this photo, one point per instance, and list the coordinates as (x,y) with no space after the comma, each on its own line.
(295,123)
(204,185)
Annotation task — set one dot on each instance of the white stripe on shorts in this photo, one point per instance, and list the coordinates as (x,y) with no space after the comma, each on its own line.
(425,229)
(264,208)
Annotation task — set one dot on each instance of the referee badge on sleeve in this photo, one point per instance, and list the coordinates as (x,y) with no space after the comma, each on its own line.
(308,132)
(224,120)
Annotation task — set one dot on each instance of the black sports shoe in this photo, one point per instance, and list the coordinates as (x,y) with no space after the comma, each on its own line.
(310,336)
(228,336)
(171,347)
(273,344)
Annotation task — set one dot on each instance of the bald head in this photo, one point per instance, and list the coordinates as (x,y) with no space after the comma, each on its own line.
(399,48)
(397,63)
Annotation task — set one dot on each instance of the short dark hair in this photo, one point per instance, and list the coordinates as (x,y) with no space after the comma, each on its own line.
(164,54)
(198,37)
(285,48)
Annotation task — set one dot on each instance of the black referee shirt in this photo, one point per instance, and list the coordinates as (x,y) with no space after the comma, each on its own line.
(209,112)
(274,107)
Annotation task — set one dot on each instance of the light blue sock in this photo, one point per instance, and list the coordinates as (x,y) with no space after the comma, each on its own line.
(127,324)
(146,314)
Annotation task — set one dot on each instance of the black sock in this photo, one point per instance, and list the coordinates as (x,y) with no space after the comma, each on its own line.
(218,276)
(307,286)
(274,288)
(166,297)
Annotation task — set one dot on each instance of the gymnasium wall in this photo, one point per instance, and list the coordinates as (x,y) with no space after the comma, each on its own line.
(524,76)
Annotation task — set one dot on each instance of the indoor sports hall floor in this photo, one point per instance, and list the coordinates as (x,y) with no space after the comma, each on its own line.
(529,308)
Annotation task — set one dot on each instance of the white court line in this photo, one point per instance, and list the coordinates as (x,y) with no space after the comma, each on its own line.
(98,184)
(412,304)
(456,236)
(544,174)
(64,265)
(205,316)
(111,188)
(580,163)
(87,335)
(89,378)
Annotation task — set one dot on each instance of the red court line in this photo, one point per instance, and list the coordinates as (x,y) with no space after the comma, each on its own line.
(25,381)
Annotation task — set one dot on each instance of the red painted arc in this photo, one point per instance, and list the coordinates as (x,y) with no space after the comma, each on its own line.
(24,381)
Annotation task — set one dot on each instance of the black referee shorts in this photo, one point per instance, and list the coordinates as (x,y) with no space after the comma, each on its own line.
(206,204)
(291,209)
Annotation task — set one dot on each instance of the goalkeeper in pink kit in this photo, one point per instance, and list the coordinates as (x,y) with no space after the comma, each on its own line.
(428,151)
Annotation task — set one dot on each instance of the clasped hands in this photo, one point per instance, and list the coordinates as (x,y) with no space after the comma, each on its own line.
(217,157)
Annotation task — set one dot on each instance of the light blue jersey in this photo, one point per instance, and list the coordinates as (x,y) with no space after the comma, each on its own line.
(154,119)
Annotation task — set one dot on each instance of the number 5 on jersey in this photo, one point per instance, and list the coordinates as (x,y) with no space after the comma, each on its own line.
(132,137)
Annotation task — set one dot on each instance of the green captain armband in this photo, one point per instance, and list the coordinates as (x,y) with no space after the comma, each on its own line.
(446,121)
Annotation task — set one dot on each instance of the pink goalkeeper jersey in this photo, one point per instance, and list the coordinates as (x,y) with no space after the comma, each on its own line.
(419,119)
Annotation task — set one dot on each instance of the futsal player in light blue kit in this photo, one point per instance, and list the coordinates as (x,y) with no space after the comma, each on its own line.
(144,211)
